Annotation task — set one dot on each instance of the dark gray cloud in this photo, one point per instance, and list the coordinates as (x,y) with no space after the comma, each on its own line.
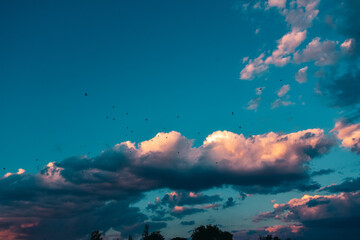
(188,223)
(343,92)
(322,172)
(229,203)
(180,204)
(340,89)
(349,185)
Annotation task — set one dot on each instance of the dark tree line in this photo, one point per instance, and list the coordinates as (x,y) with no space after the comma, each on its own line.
(208,232)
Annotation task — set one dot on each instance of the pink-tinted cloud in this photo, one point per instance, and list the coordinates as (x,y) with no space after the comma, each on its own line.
(318,210)
(80,191)
(286,46)
(254,103)
(283,90)
(281,103)
(349,134)
(255,66)
(348,46)
(323,53)
(277,3)
(301,76)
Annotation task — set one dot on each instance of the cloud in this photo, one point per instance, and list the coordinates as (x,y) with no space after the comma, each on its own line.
(323,53)
(278,103)
(320,214)
(81,194)
(283,90)
(187,223)
(347,23)
(322,172)
(342,92)
(349,134)
(349,185)
(254,103)
(300,76)
(348,46)
(180,211)
(277,3)
(301,15)
(181,198)
(255,66)
(19,172)
(183,202)
(286,45)
(285,231)
(229,203)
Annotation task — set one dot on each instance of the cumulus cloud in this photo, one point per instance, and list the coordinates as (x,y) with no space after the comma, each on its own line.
(323,53)
(82,193)
(349,134)
(301,76)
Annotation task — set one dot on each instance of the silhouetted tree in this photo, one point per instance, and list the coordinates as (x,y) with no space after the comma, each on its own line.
(155,236)
(130,237)
(96,235)
(179,238)
(146,231)
(210,232)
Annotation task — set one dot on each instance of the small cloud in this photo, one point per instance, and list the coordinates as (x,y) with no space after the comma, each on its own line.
(254,104)
(283,90)
(229,203)
(278,103)
(301,76)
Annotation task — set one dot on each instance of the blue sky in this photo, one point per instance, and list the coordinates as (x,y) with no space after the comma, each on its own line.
(188,69)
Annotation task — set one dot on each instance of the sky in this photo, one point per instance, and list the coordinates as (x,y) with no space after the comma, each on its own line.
(175,114)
